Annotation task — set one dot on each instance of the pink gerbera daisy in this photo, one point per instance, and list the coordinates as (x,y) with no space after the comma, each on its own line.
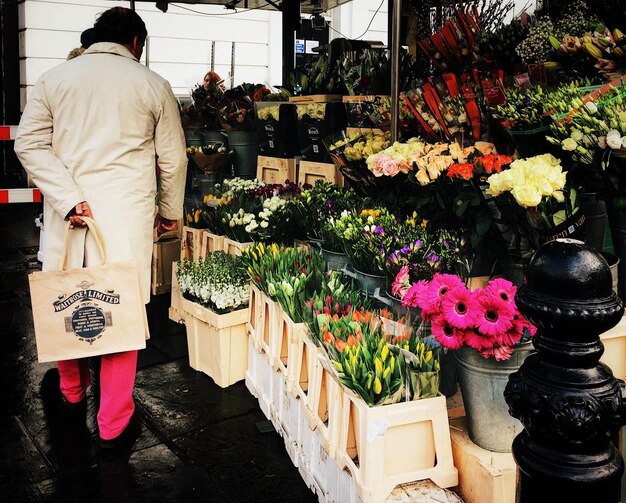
(440,285)
(402,283)
(512,336)
(474,339)
(501,288)
(498,352)
(457,307)
(417,296)
(493,315)
(445,334)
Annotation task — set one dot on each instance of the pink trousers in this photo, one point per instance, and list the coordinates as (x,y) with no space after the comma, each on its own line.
(117,380)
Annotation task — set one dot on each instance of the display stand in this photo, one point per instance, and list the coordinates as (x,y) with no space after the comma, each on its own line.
(276,169)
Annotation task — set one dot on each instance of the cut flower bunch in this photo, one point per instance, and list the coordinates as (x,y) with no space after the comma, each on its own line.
(485,319)
(220,282)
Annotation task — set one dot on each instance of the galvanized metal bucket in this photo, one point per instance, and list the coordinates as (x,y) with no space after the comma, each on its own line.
(482,382)
(335,261)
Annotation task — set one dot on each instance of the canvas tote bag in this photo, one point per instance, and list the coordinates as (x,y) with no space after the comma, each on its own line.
(89,311)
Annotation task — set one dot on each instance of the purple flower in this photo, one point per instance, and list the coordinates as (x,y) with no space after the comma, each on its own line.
(379,231)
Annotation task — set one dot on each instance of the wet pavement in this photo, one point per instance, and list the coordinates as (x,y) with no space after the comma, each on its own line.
(199,442)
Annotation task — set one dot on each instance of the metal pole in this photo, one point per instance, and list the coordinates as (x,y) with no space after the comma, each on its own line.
(148,51)
(213,56)
(395,65)
(132,4)
(232,66)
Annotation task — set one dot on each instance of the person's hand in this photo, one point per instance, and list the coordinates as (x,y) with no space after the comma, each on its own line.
(80,210)
(164,225)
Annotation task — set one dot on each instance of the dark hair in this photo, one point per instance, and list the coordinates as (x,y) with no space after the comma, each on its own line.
(87,38)
(120,25)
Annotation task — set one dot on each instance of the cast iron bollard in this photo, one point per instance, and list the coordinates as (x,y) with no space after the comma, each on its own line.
(571,406)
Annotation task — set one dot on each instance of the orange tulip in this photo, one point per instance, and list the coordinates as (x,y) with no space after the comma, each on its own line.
(340,345)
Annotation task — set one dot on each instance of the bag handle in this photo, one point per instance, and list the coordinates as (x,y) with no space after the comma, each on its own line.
(91,225)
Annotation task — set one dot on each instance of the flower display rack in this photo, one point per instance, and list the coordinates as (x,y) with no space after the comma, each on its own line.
(257,377)
(317,98)
(234,247)
(254,313)
(210,242)
(373,444)
(484,476)
(286,347)
(176,313)
(325,405)
(311,171)
(190,243)
(305,367)
(268,325)
(217,343)
(164,254)
(276,169)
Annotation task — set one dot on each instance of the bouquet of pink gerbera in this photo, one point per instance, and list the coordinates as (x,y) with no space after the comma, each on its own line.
(485,319)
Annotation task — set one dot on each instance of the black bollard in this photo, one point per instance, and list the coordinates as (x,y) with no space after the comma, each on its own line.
(571,405)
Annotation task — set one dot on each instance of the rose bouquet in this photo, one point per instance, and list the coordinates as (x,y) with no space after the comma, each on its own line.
(449,193)
(236,109)
(535,202)
(485,319)
(219,282)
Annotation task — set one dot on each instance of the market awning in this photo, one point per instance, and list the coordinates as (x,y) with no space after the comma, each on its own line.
(306,6)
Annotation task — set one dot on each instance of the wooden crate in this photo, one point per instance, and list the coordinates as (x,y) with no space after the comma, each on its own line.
(484,476)
(276,169)
(210,242)
(190,243)
(164,254)
(317,98)
(175,312)
(310,172)
(217,343)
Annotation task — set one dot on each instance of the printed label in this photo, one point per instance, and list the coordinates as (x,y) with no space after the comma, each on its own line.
(88,320)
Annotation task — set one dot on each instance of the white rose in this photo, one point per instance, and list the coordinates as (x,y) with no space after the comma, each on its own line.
(591,107)
(614,139)
(569,144)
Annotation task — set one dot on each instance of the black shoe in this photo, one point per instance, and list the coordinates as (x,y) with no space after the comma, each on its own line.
(56,405)
(128,436)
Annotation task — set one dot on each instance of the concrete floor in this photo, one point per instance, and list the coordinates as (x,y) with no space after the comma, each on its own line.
(199,442)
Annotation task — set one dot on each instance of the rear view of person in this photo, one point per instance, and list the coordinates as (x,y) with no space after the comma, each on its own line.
(92,132)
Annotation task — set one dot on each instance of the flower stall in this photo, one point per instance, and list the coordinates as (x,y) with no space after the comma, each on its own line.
(385,300)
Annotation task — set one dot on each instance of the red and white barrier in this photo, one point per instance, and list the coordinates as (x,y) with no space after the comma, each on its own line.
(20,196)
(16,195)
(8,132)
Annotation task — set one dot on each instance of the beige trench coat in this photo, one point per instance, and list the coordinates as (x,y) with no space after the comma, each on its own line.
(94,129)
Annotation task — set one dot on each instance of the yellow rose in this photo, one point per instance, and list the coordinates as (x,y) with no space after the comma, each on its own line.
(526,195)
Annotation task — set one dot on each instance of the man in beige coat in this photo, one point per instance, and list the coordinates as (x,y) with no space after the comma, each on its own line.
(91,135)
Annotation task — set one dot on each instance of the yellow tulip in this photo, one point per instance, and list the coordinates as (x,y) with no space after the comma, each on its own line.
(378,387)
(384,353)
(378,364)
(386,372)
(338,366)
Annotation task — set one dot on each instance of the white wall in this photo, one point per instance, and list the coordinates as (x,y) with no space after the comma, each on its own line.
(179,44)
(352,19)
